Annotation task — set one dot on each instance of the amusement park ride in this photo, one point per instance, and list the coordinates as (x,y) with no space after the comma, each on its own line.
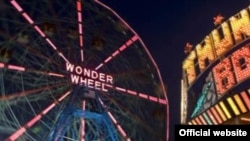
(76,71)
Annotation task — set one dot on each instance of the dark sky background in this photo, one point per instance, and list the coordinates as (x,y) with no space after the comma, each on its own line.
(166,26)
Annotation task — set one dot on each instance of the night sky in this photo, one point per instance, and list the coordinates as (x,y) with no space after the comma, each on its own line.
(166,26)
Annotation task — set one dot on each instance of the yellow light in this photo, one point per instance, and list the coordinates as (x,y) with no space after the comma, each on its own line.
(193,122)
(222,45)
(240,103)
(205,52)
(220,112)
(189,67)
(225,110)
(233,106)
(240,25)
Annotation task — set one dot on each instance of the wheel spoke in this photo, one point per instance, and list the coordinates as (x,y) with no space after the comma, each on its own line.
(139,94)
(37,28)
(115,122)
(118,51)
(29,124)
(80,27)
(75,70)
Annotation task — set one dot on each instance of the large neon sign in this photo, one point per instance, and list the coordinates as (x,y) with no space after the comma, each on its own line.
(216,44)
(88,77)
(225,54)
(232,70)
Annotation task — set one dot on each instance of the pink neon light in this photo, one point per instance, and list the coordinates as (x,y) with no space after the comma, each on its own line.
(39,31)
(162,101)
(143,95)
(112,11)
(82,131)
(45,111)
(118,127)
(55,74)
(53,46)
(62,97)
(129,42)
(79,17)
(20,131)
(202,120)
(115,53)
(246,99)
(112,117)
(80,27)
(197,121)
(16,5)
(27,17)
(245,119)
(108,59)
(79,6)
(33,121)
(82,55)
(216,115)
(81,41)
(121,131)
(108,85)
(64,58)
(24,93)
(99,66)
(153,98)
(211,117)
(132,92)
(16,68)
(116,123)
(134,38)
(122,47)
(103,105)
(1,65)
(17,134)
(120,89)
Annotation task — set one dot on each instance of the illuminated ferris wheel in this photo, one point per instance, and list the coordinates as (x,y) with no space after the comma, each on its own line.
(75,70)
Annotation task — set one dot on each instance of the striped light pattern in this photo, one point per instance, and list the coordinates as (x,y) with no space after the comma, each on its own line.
(225,110)
(240,103)
(233,106)
(211,116)
(207,118)
(219,113)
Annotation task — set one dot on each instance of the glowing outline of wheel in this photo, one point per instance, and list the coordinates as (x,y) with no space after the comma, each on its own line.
(20,68)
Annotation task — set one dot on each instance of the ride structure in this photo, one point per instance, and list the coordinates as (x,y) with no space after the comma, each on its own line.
(75,70)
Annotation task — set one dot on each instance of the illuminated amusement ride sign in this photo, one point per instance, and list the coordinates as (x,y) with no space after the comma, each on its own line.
(218,66)
(89,78)
(232,68)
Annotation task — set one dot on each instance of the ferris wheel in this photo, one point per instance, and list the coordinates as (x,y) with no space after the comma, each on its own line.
(75,70)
